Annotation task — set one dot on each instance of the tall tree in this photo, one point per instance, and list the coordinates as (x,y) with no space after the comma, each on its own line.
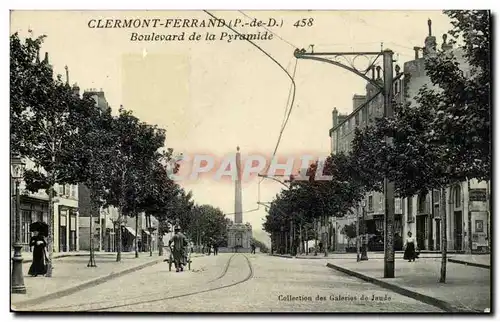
(136,145)
(462,104)
(45,118)
(93,157)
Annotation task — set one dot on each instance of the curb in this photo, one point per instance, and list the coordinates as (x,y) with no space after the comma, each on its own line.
(63,255)
(82,286)
(333,258)
(458,261)
(446,306)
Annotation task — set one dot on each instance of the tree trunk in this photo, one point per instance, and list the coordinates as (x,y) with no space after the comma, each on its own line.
(150,244)
(119,241)
(160,240)
(50,237)
(93,208)
(136,235)
(444,238)
(315,237)
(488,212)
(326,236)
(358,257)
(469,218)
(307,240)
(301,239)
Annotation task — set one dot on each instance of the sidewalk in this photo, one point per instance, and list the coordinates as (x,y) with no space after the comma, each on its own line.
(28,256)
(466,259)
(467,288)
(71,274)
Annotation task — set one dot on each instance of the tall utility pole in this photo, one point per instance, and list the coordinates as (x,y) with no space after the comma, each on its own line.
(388,186)
(346,60)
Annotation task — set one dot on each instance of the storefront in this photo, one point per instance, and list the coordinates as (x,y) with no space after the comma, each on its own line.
(32,210)
(67,229)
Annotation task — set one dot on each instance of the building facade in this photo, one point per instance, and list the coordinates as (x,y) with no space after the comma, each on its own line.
(467,202)
(34,207)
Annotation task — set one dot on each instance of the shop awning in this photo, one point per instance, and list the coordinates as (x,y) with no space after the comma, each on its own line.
(130,230)
(146,232)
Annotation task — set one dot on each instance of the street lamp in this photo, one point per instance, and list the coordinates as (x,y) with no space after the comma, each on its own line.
(17,173)
(364,255)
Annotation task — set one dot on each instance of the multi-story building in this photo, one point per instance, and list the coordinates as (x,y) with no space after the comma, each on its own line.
(34,207)
(418,214)
(422,212)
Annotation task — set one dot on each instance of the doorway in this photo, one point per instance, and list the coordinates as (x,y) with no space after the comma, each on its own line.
(458,230)
(421,231)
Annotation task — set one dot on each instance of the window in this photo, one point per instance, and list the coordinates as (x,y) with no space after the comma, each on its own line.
(370,203)
(61,189)
(410,207)
(73,191)
(421,203)
(435,196)
(458,196)
(397,205)
(356,118)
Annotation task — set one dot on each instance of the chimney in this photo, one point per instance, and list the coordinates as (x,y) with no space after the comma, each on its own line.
(76,89)
(67,74)
(430,41)
(416,49)
(357,101)
(46,60)
(446,46)
(373,72)
(335,116)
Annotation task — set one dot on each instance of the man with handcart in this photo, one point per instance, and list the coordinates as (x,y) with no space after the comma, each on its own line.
(179,252)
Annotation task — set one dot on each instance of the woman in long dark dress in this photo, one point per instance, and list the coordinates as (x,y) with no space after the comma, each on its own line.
(38,266)
(410,253)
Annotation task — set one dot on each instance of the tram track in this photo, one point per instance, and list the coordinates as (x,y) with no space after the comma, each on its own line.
(248,277)
(142,298)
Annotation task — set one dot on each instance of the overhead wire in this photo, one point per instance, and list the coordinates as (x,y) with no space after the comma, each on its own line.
(293,86)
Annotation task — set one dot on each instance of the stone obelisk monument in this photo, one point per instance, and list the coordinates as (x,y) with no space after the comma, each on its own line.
(239,234)
(238,216)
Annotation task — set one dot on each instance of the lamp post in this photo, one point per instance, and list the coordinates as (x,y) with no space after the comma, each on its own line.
(17,173)
(364,255)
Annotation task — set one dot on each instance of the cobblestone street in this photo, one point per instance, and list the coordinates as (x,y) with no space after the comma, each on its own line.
(231,283)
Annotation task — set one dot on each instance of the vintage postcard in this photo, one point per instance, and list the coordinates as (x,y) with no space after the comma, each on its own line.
(250,161)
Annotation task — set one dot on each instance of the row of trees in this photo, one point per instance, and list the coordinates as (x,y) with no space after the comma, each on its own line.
(71,140)
(441,138)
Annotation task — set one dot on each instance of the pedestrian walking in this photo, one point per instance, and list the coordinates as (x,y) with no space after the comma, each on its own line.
(253,248)
(410,253)
(40,259)
(216,249)
(179,249)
